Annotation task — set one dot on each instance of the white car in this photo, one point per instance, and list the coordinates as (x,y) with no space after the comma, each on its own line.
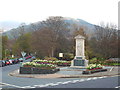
(21,59)
(33,57)
(10,61)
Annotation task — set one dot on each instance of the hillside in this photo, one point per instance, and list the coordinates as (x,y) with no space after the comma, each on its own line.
(89,28)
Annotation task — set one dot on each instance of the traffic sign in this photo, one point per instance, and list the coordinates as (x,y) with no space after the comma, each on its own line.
(23,53)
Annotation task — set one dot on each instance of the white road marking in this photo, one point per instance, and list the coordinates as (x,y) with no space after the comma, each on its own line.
(81,80)
(89,79)
(52,84)
(74,81)
(11,85)
(49,84)
(111,69)
(41,86)
(100,77)
(69,81)
(59,82)
(36,85)
(32,87)
(117,87)
(94,78)
(104,76)
(66,82)
(27,87)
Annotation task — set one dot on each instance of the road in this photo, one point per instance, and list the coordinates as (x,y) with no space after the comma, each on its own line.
(19,82)
(102,82)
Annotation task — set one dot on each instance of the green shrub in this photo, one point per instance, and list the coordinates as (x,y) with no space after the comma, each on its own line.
(112,64)
(50,58)
(97,60)
(68,56)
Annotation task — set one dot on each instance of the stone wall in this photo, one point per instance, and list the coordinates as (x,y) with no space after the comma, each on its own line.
(33,70)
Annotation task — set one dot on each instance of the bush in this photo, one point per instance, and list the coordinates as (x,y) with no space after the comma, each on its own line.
(50,58)
(97,60)
(68,56)
(93,60)
(112,64)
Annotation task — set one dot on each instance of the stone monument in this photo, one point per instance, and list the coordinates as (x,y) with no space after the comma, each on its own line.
(79,60)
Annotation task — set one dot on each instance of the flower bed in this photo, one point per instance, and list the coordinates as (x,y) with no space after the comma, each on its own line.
(42,66)
(94,71)
(37,65)
(93,68)
(58,62)
(36,68)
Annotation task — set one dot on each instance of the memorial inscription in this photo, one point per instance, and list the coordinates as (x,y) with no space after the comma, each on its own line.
(79,62)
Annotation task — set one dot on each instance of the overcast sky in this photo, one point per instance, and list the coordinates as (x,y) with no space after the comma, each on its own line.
(29,11)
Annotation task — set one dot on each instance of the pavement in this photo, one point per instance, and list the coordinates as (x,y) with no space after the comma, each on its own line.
(69,73)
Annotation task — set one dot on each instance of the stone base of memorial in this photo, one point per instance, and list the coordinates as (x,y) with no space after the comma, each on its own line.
(36,70)
(93,71)
(79,63)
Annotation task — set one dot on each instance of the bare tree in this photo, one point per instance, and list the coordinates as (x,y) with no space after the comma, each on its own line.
(58,27)
(21,29)
(106,41)
(14,33)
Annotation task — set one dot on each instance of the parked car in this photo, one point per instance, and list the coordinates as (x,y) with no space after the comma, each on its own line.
(16,61)
(114,60)
(21,59)
(28,57)
(7,62)
(13,61)
(2,63)
(33,57)
(10,61)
